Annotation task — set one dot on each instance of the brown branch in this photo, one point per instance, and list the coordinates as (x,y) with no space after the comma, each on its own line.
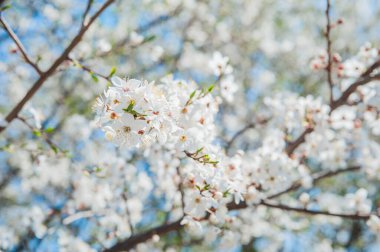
(352,88)
(237,134)
(336,104)
(52,145)
(132,241)
(87,69)
(156,21)
(313,212)
(329,61)
(243,130)
(37,85)
(24,240)
(85,13)
(317,177)
(293,145)
(19,45)
(124,196)
(8,178)
(372,68)
(355,234)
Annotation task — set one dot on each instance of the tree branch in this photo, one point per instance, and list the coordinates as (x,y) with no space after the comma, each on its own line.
(237,134)
(37,85)
(329,62)
(297,184)
(352,88)
(132,241)
(19,45)
(313,212)
(372,68)
(52,145)
(293,145)
(125,197)
(85,13)
(364,79)
(157,21)
(87,69)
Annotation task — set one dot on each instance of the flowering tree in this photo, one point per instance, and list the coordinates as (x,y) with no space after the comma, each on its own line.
(212,125)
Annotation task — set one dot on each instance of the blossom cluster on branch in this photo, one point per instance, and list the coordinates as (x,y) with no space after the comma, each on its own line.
(218,138)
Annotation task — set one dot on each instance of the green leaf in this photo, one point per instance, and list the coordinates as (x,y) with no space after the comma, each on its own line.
(76,63)
(6,148)
(210,88)
(94,77)
(39,58)
(206,187)
(37,133)
(67,153)
(149,38)
(192,94)
(129,109)
(226,193)
(5,7)
(199,150)
(113,71)
(54,148)
(49,130)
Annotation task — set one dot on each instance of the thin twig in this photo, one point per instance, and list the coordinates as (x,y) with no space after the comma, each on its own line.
(19,45)
(237,134)
(156,21)
(85,13)
(52,145)
(293,145)
(351,89)
(313,212)
(37,85)
(329,60)
(242,131)
(317,177)
(336,104)
(132,241)
(87,69)
(124,196)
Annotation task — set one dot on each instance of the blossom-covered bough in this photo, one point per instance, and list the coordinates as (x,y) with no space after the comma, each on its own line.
(229,160)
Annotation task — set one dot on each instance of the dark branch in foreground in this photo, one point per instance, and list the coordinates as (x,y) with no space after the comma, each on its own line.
(142,237)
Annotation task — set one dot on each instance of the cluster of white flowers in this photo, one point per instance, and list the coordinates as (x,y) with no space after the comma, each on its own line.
(175,113)
(221,68)
(374,223)
(355,66)
(172,161)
